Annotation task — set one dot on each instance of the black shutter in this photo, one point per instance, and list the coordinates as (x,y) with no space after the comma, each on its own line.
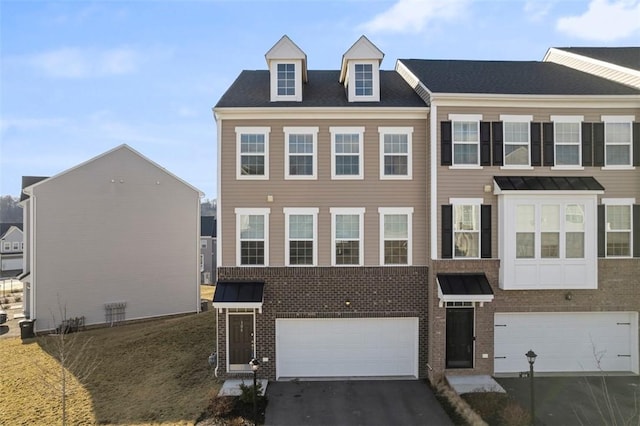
(587,144)
(485,143)
(547,144)
(445,143)
(636,230)
(535,145)
(496,133)
(602,229)
(636,144)
(447,231)
(485,231)
(598,144)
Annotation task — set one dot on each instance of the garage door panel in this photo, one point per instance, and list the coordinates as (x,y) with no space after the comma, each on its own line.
(346,347)
(567,342)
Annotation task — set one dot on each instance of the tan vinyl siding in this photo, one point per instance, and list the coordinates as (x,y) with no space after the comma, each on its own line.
(324,193)
(469,183)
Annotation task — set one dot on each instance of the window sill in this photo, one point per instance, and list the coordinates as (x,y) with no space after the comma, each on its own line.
(245,177)
(618,168)
(302,177)
(395,177)
(567,168)
(516,168)
(619,257)
(347,177)
(466,167)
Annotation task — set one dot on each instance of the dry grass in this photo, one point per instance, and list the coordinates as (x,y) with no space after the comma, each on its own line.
(206,292)
(153,372)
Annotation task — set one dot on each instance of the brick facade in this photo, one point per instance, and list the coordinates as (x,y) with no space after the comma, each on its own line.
(321,292)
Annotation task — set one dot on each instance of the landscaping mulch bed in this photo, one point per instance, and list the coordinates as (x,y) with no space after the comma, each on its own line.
(498,409)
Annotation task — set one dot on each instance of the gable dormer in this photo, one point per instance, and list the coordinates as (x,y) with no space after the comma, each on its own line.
(360,71)
(288,70)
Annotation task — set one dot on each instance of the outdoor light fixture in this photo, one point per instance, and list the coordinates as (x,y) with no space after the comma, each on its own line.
(531,357)
(568,296)
(347,303)
(255,366)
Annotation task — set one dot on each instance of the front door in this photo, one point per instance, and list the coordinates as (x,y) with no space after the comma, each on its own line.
(240,341)
(459,338)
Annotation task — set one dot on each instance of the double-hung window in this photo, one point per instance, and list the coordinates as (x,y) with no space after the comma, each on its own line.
(618,221)
(252,236)
(517,139)
(395,235)
(466,227)
(6,246)
(347,237)
(252,152)
(347,152)
(465,138)
(300,152)
(286,79)
(618,140)
(567,136)
(395,152)
(301,236)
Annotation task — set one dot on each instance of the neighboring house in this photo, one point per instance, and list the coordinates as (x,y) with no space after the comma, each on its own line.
(207,249)
(115,238)
(11,248)
(322,219)
(441,218)
(535,230)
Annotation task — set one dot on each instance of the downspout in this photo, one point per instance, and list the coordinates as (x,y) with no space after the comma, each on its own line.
(215,370)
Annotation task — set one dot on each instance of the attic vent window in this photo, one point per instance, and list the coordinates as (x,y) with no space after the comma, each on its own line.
(364,79)
(114,312)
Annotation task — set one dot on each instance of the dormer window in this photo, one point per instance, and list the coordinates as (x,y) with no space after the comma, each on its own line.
(360,71)
(287,70)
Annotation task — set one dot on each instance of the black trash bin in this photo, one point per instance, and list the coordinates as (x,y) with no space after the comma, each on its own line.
(204,305)
(26,329)
(3,317)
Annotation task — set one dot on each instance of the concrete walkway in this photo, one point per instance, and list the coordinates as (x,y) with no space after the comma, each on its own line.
(232,387)
(476,383)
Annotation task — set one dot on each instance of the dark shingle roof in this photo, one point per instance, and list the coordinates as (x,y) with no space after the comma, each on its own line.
(5,226)
(464,284)
(238,291)
(510,77)
(28,181)
(548,183)
(251,89)
(208,226)
(628,57)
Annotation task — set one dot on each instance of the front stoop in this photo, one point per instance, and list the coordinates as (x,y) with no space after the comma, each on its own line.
(475,383)
(232,387)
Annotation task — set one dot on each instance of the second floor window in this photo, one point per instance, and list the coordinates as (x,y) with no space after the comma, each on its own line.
(466,142)
(346,147)
(395,233)
(517,140)
(300,152)
(567,143)
(300,236)
(6,246)
(395,152)
(618,230)
(253,152)
(618,140)
(466,230)
(252,228)
(347,235)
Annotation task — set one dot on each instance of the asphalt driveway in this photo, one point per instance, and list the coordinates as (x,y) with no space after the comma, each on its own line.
(579,400)
(354,402)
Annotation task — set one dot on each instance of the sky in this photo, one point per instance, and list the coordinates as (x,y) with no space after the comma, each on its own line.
(78,78)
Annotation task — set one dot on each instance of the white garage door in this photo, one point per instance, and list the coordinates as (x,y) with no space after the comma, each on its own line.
(354,347)
(567,342)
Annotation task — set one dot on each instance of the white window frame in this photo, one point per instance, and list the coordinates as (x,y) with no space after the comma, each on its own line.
(313,131)
(351,81)
(539,273)
(335,211)
(6,245)
(567,119)
(203,244)
(407,211)
(406,131)
(626,202)
(623,119)
(252,131)
(477,202)
(202,263)
(15,246)
(252,212)
(527,119)
(310,211)
(297,96)
(347,131)
(477,118)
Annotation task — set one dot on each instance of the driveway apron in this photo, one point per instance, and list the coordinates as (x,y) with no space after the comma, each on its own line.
(354,402)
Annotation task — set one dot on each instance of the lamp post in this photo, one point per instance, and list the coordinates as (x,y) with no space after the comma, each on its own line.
(255,365)
(531,357)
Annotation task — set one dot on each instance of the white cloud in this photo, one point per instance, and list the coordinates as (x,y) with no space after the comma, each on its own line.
(82,63)
(411,16)
(604,21)
(536,10)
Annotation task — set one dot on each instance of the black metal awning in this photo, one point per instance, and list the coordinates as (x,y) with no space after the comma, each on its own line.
(239,294)
(464,288)
(547,183)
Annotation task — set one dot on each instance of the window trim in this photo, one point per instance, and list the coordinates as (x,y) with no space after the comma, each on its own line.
(335,211)
(349,131)
(408,131)
(567,119)
(465,202)
(203,243)
(351,81)
(629,202)
(507,118)
(629,119)
(464,117)
(297,96)
(312,211)
(240,130)
(408,211)
(252,212)
(313,131)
